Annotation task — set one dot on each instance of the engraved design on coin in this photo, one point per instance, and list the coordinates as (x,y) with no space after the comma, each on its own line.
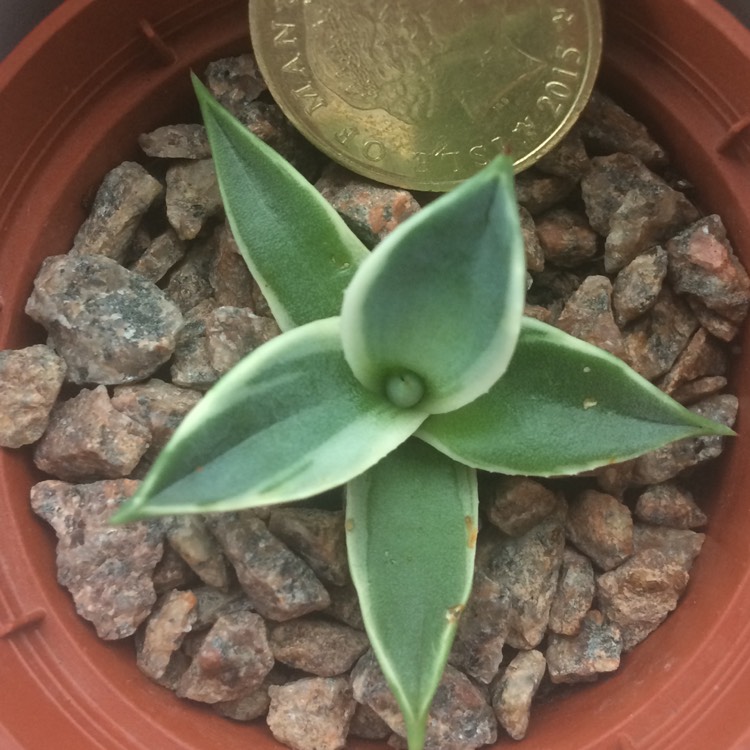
(389,56)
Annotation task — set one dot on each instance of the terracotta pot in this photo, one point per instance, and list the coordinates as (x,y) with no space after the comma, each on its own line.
(73,97)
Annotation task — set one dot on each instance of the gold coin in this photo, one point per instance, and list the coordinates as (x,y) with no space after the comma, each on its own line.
(423,93)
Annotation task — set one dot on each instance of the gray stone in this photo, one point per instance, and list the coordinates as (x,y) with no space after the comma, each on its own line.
(538,192)
(566,238)
(107,569)
(278,584)
(582,657)
(668,505)
(482,630)
(165,630)
(703,264)
(157,405)
(109,325)
(189,283)
(654,342)
(191,539)
(639,595)
(601,527)
(213,603)
(159,256)
(229,275)
(637,286)
(632,207)
(532,248)
(124,197)
(371,210)
(232,661)
(88,439)
(172,572)
(30,381)
(367,725)
(606,129)
(588,315)
(514,691)
(568,158)
(526,568)
(191,365)
(235,80)
(574,594)
(517,504)
(192,197)
(188,141)
(234,332)
(311,714)
(317,536)
(317,646)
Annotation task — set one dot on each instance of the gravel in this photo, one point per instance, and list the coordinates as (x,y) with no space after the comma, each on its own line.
(254,612)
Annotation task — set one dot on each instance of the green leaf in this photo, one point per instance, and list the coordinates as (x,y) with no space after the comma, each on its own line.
(562,407)
(432,316)
(297,247)
(411,532)
(286,423)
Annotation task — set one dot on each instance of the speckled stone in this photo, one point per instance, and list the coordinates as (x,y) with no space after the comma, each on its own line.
(191,365)
(482,629)
(124,197)
(371,210)
(110,325)
(532,248)
(514,691)
(654,342)
(460,716)
(582,657)
(235,80)
(638,285)
(159,256)
(189,282)
(88,439)
(165,629)
(703,356)
(631,207)
(30,381)
(703,265)
(317,646)
(278,584)
(538,192)
(566,238)
(229,275)
(568,159)
(526,567)
(681,546)
(213,603)
(606,128)
(107,569)
(157,405)
(669,505)
(232,661)
(317,536)
(600,526)
(311,714)
(574,594)
(639,595)
(367,725)
(517,504)
(192,196)
(234,332)
(191,539)
(588,315)
(186,141)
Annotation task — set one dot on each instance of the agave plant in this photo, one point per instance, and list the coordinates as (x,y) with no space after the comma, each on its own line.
(399,374)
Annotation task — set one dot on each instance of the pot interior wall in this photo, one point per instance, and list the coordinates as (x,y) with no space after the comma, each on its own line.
(101,73)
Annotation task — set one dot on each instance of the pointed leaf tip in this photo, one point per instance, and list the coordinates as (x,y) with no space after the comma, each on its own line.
(300,251)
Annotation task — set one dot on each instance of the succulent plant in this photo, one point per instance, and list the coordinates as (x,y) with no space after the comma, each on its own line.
(400,373)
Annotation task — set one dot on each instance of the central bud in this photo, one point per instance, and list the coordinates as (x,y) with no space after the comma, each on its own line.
(404,389)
